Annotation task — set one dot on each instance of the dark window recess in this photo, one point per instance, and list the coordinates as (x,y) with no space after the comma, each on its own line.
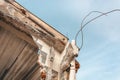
(43,57)
(54,75)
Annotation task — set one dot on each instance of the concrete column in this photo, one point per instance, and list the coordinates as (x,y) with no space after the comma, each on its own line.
(72,75)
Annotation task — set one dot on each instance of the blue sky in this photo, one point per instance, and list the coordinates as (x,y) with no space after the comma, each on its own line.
(100,55)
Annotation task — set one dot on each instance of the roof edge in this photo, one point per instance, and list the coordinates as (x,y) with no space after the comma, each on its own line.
(40,22)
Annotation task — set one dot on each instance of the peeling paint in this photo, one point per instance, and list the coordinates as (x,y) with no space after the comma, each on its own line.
(2,2)
(54,55)
(11,10)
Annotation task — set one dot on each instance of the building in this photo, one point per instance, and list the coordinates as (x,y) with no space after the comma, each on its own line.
(30,49)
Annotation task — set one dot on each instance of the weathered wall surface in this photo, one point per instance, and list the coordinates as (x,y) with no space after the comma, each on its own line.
(17,57)
(30,49)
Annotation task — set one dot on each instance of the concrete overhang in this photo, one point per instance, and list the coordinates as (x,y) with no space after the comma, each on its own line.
(24,24)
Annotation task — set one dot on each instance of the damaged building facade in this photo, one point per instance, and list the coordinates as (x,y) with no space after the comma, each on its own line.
(30,49)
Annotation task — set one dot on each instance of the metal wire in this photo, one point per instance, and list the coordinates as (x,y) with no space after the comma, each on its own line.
(83,26)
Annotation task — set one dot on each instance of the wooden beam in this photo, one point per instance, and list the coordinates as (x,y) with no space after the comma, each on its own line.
(18,33)
(40,22)
(25,25)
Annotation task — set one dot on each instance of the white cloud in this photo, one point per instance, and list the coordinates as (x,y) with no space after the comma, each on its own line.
(109,30)
(117,78)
